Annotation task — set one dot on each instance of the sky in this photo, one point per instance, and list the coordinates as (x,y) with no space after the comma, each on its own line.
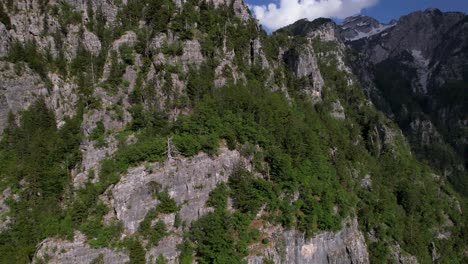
(274,14)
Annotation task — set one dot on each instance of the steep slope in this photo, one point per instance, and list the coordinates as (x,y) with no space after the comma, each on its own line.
(415,71)
(178,131)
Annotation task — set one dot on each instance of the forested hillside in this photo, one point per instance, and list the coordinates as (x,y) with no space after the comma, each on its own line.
(159,131)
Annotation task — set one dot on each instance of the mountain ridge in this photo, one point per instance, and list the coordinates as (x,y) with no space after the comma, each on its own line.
(179,132)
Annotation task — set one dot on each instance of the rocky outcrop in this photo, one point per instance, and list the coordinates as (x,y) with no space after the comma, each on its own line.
(192,53)
(303,62)
(426,131)
(4,209)
(346,246)
(400,257)
(226,70)
(239,6)
(92,157)
(425,54)
(382,137)
(108,8)
(61,98)
(359,27)
(5,40)
(92,43)
(188,181)
(257,54)
(338,111)
(18,90)
(57,251)
(20,87)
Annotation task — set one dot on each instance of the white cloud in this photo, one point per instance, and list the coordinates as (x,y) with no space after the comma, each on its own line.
(273,16)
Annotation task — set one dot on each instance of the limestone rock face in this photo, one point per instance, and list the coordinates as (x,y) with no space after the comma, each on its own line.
(426,131)
(192,53)
(240,8)
(77,251)
(92,43)
(346,246)
(108,8)
(20,89)
(17,92)
(304,63)
(359,27)
(304,58)
(338,111)
(326,32)
(188,181)
(4,209)
(5,40)
(401,258)
(91,159)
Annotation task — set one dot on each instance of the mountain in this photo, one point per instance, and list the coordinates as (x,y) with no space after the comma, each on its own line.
(415,70)
(159,131)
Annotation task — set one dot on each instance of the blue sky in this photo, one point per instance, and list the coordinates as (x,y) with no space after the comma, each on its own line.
(274,14)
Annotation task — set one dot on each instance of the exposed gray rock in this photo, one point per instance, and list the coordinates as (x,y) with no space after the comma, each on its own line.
(91,160)
(167,247)
(366,182)
(304,63)
(383,137)
(29,24)
(423,35)
(128,38)
(58,251)
(425,50)
(240,8)
(401,257)
(113,111)
(346,246)
(62,98)
(426,130)
(422,31)
(20,87)
(326,32)
(192,53)
(226,70)
(4,209)
(5,40)
(258,56)
(158,41)
(18,90)
(72,41)
(188,181)
(358,27)
(338,111)
(108,8)
(92,43)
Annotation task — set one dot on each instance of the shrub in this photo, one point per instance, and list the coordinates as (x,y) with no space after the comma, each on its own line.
(126,53)
(172,49)
(166,205)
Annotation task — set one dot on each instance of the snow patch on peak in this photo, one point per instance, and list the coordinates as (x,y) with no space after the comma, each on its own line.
(371,33)
(363,24)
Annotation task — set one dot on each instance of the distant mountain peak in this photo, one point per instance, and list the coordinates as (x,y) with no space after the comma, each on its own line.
(304,26)
(359,27)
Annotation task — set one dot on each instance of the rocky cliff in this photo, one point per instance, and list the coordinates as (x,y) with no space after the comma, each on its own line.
(426,51)
(180,132)
(346,246)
